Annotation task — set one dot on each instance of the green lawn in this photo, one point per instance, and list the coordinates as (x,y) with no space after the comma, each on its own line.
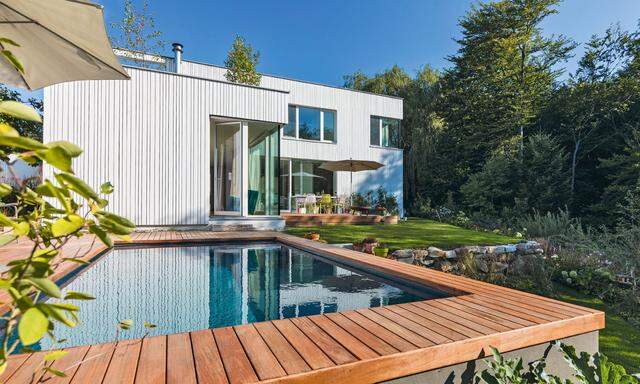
(413,233)
(620,341)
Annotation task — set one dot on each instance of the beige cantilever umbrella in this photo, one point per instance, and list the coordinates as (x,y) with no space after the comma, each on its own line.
(60,40)
(351,166)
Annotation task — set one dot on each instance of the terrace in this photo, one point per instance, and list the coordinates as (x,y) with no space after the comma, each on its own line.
(364,345)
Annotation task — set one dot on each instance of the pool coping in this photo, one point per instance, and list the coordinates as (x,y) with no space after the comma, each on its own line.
(485,314)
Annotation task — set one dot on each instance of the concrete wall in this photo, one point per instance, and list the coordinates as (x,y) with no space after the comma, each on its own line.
(464,373)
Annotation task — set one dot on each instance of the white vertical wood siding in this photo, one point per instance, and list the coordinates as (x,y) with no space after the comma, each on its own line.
(354,110)
(149,136)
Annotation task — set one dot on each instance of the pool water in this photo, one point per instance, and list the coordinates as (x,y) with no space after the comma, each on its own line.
(187,288)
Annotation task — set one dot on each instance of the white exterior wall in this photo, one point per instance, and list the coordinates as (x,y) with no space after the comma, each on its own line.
(149,136)
(353,112)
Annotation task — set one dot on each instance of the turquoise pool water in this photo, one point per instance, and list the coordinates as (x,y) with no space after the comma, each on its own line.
(188,288)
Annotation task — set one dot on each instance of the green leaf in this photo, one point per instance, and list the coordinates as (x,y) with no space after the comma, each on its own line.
(113,227)
(55,372)
(55,355)
(71,149)
(7,130)
(11,58)
(64,306)
(5,189)
(125,324)
(47,286)
(149,325)
(33,326)
(102,235)
(106,188)
(75,295)
(7,41)
(6,222)
(21,142)
(75,260)
(56,157)
(66,225)
(79,186)
(118,219)
(19,110)
(7,238)
(21,229)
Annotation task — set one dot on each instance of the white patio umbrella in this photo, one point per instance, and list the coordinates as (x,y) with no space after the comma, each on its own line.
(351,166)
(60,40)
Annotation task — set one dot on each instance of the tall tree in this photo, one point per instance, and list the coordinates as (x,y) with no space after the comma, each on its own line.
(427,170)
(502,75)
(241,63)
(137,31)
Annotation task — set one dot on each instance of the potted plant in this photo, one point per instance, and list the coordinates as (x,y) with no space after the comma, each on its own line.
(369,244)
(357,246)
(381,250)
(315,236)
(391,218)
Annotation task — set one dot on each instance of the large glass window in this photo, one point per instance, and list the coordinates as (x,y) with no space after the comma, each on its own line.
(311,124)
(375,131)
(264,163)
(385,132)
(308,123)
(329,126)
(304,177)
(290,129)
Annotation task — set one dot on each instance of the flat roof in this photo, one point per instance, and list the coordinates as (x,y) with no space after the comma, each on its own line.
(301,81)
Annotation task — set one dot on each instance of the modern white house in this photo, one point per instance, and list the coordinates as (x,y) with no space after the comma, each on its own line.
(183,146)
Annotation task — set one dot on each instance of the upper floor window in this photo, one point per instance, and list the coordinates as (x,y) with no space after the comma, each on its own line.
(384,132)
(311,124)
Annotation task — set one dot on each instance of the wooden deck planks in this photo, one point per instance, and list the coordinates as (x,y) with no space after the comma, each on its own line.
(316,347)
(262,359)
(288,357)
(236,363)
(152,363)
(309,351)
(124,362)
(208,363)
(180,364)
(95,364)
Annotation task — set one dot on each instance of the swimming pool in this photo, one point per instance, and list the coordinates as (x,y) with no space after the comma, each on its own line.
(186,288)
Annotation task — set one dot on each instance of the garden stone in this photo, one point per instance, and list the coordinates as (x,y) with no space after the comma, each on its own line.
(497,266)
(436,252)
(483,266)
(446,266)
(403,254)
(420,254)
(424,262)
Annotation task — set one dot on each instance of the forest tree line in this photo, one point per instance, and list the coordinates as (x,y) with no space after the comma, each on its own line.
(505,131)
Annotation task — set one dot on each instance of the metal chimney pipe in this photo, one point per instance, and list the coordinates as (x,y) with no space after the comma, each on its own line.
(177,52)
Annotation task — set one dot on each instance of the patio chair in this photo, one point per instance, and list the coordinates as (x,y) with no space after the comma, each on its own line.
(326,203)
(310,203)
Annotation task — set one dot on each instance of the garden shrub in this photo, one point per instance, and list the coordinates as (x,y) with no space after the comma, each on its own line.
(588,369)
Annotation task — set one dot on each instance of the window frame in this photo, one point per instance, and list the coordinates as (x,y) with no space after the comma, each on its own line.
(322,112)
(380,124)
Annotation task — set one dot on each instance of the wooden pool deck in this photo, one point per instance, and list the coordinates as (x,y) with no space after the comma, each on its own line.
(362,346)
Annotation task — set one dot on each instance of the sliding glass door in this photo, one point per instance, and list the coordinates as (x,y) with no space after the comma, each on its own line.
(264,169)
(227,175)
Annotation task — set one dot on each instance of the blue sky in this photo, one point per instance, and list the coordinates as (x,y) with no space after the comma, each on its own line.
(323,40)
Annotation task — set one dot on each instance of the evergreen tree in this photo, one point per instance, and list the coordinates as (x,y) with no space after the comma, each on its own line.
(241,63)
(502,75)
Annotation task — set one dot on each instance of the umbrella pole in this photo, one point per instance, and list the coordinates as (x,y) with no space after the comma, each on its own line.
(351,190)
